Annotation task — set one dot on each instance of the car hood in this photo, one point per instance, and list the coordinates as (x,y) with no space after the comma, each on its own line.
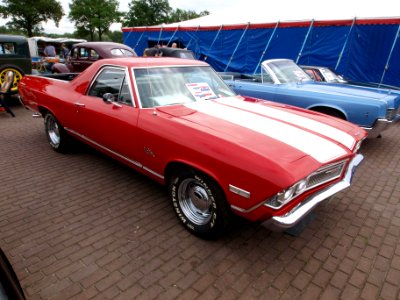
(270,130)
(348,90)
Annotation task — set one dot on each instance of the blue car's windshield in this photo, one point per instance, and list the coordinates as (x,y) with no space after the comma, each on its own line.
(286,71)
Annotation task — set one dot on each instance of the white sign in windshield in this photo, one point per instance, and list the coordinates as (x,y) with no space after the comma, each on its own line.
(201,90)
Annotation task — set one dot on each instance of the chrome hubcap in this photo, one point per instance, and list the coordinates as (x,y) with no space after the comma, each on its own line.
(53,131)
(194,201)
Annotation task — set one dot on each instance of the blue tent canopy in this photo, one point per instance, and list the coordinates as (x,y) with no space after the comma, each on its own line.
(361,49)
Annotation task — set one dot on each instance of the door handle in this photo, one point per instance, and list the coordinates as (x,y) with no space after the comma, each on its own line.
(79,104)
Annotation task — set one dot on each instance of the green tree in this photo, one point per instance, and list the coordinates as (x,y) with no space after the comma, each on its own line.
(92,17)
(179,15)
(147,13)
(28,15)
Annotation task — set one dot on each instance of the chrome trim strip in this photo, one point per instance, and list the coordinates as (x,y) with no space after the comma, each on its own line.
(291,218)
(133,162)
(154,173)
(245,211)
(239,191)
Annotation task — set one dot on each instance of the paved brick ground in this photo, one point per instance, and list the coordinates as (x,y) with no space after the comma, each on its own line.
(82,226)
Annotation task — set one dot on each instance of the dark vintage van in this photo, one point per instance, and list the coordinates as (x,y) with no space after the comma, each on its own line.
(14,56)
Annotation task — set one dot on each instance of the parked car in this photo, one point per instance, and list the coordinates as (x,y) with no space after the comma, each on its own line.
(324,74)
(82,55)
(283,81)
(14,56)
(176,121)
(10,287)
(169,52)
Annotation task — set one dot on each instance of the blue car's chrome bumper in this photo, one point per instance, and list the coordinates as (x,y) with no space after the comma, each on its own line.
(294,216)
(379,126)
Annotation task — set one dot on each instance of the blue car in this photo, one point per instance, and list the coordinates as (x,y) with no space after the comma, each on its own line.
(281,80)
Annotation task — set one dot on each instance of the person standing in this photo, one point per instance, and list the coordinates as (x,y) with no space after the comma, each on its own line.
(49,51)
(64,51)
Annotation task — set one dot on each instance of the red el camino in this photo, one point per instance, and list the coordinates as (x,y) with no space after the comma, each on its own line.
(176,121)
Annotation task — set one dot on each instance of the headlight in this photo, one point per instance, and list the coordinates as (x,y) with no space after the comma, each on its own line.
(322,175)
(285,196)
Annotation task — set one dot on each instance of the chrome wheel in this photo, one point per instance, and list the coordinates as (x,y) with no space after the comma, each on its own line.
(53,131)
(195,201)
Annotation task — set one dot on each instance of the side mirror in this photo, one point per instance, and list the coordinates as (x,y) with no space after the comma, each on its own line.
(108,97)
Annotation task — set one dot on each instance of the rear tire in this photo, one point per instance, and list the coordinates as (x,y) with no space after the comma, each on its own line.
(200,204)
(55,133)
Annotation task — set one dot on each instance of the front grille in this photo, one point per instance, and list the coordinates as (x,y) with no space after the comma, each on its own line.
(325,174)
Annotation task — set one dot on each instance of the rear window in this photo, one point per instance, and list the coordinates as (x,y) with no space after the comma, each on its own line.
(122,52)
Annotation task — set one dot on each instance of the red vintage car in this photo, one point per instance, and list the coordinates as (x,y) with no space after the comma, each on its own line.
(82,55)
(176,121)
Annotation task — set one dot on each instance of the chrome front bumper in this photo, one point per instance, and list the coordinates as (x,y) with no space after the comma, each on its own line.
(380,125)
(294,216)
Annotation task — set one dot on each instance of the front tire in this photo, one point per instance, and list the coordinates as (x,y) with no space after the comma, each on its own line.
(200,204)
(55,133)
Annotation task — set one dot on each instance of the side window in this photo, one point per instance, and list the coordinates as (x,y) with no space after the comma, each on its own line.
(75,53)
(7,48)
(110,80)
(311,74)
(83,53)
(266,78)
(94,55)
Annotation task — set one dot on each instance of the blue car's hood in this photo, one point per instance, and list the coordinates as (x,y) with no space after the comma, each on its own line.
(335,89)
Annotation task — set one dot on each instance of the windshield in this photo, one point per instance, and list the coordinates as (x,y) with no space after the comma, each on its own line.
(286,71)
(330,76)
(177,85)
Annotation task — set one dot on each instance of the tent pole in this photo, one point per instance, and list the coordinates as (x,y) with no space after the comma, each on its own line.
(345,44)
(266,47)
(215,38)
(305,41)
(159,36)
(140,38)
(237,46)
(197,29)
(173,35)
(390,54)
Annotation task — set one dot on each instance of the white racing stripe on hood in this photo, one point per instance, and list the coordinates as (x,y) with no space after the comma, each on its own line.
(318,147)
(313,125)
